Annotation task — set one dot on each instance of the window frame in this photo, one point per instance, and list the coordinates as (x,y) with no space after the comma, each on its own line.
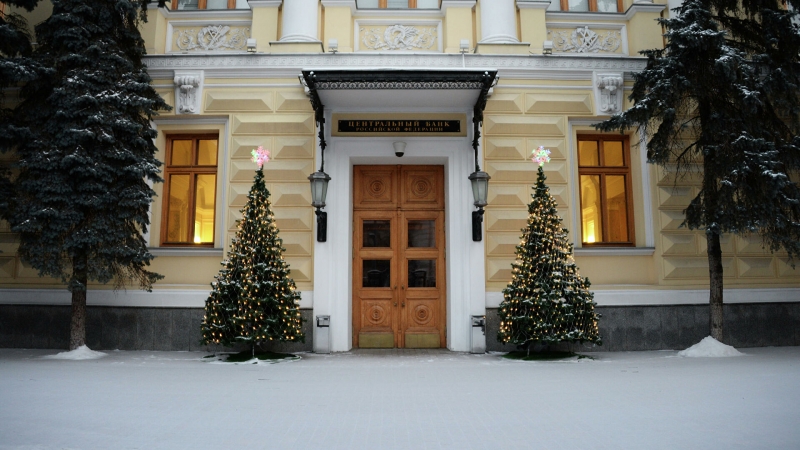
(592,7)
(201,6)
(192,170)
(603,171)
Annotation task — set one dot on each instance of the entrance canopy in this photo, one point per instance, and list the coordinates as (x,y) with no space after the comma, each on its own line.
(424,89)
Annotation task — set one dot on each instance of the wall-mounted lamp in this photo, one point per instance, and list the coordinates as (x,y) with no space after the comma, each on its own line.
(319,190)
(251,45)
(547,47)
(464,46)
(399,148)
(333,45)
(480,192)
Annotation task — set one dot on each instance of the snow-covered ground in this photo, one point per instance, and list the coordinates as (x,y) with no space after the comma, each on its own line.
(403,400)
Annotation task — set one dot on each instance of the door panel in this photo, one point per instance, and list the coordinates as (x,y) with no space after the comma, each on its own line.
(398,257)
(375,278)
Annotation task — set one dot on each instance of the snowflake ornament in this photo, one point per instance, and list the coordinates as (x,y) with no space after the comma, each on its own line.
(260,156)
(541,155)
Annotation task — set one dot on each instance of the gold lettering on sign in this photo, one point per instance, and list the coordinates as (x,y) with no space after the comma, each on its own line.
(399,126)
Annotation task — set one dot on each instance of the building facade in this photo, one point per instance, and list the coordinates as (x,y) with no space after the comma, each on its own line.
(399,102)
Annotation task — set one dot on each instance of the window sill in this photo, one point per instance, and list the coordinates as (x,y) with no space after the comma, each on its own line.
(185,251)
(615,251)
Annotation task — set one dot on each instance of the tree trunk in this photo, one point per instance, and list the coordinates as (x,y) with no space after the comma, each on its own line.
(715,278)
(77,326)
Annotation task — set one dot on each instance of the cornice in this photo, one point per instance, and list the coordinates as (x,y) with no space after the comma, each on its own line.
(399,13)
(289,65)
(467,4)
(208,15)
(533,4)
(264,3)
(340,4)
(600,17)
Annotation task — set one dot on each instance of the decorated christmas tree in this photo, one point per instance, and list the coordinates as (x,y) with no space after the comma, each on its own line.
(547,301)
(254,299)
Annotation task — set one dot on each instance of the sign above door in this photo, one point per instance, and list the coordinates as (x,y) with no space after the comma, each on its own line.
(399,124)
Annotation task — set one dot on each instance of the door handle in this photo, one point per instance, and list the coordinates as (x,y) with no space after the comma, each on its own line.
(395,303)
(404,286)
(404,304)
(395,287)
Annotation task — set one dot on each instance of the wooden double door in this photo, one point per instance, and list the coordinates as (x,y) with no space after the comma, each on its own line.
(398,257)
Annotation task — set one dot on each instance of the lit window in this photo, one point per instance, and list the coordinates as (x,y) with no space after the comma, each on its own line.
(184,5)
(611,6)
(190,186)
(605,190)
(398,4)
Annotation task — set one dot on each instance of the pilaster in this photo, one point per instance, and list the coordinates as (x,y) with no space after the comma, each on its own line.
(265,23)
(533,25)
(339,23)
(458,24)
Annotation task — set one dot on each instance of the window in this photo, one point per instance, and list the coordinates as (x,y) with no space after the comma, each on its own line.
(190,187)
(605,190)
(592,5)
(182,5)
(398,4)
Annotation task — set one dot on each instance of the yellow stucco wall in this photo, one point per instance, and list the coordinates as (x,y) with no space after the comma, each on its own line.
(520,115)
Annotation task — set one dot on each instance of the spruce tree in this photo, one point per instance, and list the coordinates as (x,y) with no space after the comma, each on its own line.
(723,98)
(17,67)
(81,198)
(547,301)
(254,299)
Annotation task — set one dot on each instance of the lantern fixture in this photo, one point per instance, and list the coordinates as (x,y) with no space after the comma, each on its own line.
(319,190)
(480,192)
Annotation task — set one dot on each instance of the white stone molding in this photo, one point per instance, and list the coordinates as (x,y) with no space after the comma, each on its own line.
(499,22)
(578,67)
(396,37)
(162,296)
(188,91)
(608,92)
(457,4)
(333,259)
(606,17)
(299,21)
(212,37)
(340,4)
(534,4)
(644,296)
(264,3)
(207,15)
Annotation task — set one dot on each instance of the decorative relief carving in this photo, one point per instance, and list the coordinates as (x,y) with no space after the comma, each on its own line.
(399,37)
(188,86)
(584,40)
(376,315)
(212,37)
(608,89)
(331,85)
(377,189)
(422,315)
(298,62)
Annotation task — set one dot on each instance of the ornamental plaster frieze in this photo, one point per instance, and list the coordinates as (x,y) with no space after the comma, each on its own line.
(509,66)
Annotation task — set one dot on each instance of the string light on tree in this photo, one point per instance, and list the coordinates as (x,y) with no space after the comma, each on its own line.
(547,301)
(254,298)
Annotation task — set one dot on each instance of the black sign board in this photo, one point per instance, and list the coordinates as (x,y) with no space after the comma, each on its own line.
(399,126)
